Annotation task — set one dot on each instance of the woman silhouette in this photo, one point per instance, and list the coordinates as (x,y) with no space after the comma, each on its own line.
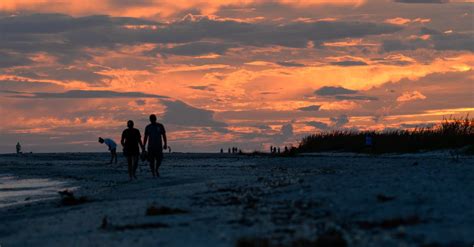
(131,142)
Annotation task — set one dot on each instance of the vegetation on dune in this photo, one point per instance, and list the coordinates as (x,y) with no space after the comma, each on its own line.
(451,133)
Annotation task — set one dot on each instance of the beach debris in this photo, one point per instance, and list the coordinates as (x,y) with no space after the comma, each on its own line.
(154,211)
(384,198)
(106,225)
(391,223)
(68,198)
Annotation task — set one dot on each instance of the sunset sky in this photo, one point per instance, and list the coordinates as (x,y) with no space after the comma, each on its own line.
(246,73)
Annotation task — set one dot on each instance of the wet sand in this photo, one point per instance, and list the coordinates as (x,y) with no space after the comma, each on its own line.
(226,200)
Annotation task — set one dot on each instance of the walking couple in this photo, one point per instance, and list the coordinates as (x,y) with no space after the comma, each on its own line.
(132,142)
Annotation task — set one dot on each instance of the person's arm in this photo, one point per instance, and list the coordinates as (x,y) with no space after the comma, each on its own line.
(140,141)
(165,141)
(122,141)
(145,139)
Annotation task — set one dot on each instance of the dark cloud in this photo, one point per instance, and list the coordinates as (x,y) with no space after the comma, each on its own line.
(180,113)
(318,125)
(339,121)
(66,74)
(60,23)
(197,49)
(290,64)
(331,91)
(83,94)
(310,108)
(65,36)
(397,45)
(438,40)
(263,127)
(13,86)
(419,125)
(202,88)
(421,1)
(355,97)
(349,63)
(11,59)
(140,102)
(286,132)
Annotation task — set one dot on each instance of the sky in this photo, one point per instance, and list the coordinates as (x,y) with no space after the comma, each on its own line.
(244,73)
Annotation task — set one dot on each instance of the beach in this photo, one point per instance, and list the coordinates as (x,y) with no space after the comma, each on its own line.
(239,200)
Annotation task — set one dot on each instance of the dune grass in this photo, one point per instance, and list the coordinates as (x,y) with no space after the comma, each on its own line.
(451,133)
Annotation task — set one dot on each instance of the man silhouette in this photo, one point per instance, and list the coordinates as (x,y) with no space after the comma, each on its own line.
(18,148)
(153,134)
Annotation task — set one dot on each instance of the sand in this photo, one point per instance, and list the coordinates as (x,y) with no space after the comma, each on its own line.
(227,200)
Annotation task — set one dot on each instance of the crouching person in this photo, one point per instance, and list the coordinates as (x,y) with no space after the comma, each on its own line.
(112,148)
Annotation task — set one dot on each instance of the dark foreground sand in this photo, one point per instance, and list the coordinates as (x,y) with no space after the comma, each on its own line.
(224,200)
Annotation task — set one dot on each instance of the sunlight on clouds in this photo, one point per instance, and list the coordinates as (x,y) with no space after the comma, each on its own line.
(163,8)
(410,96)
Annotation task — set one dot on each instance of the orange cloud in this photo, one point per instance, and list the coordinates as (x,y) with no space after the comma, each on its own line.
(404,21)
(163,8)
(410,96)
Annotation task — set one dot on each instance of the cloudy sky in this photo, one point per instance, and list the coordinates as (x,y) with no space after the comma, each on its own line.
(246,73)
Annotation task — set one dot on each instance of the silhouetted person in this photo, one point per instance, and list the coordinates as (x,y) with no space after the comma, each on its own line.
(18,148)
(274,150)
(154,133)
(131,142)
(271,149)
(369,144)
(278,149)
(112,148)
(222,151)
(286,149)
(228,150)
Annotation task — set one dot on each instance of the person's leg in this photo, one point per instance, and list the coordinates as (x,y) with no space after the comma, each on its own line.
(130,167)
(151,159)
(159,159)
(135,166)
(111,156)
(114,155)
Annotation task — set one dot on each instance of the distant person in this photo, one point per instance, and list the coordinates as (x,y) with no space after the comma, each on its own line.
(228,150)
(286,149)
(18,148)
(274,150)
(131,142)
(154,133)
(369,145)
(278,149)
(222,151)
(112,148)
(271,149)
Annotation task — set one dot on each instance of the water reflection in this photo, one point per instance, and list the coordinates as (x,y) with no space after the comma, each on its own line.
(15,191)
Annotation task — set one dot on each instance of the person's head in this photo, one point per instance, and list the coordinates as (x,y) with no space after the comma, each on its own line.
(101,140)
(130,124)
(153,118)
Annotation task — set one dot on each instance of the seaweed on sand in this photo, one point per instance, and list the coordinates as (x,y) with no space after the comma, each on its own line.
(68,198)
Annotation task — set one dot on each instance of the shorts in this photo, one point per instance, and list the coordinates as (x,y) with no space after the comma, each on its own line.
(155,155)
(131,151)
